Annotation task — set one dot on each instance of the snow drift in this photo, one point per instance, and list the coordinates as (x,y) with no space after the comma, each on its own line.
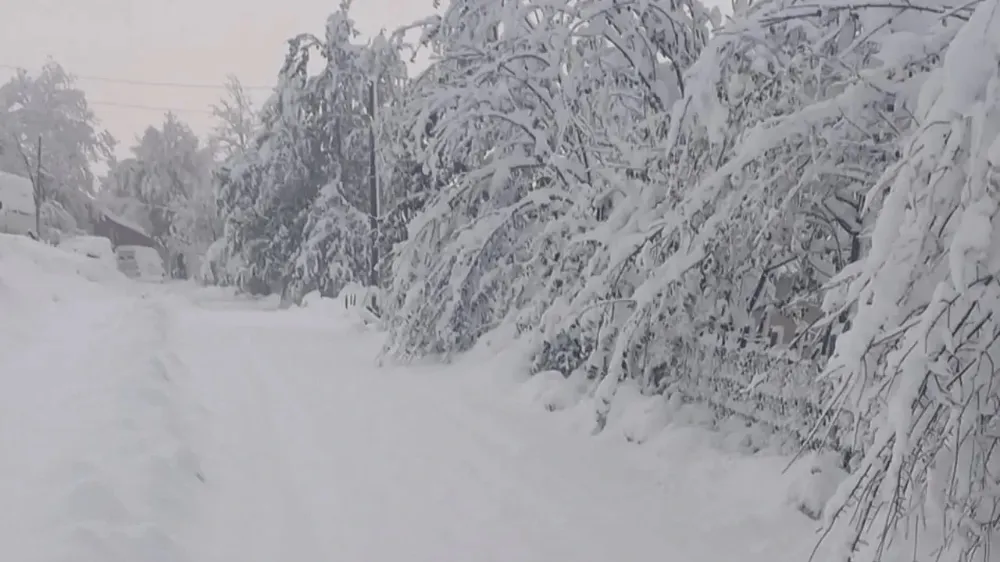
(96,455)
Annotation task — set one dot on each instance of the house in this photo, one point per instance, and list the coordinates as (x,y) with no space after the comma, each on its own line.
(128,239)
(122,232)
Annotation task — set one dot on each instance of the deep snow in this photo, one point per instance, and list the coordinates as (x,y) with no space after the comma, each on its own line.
(142,422)
(96,461)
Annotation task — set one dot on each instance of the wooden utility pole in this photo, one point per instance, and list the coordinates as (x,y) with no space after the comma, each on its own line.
(35,175)
(373,188)
(39,193)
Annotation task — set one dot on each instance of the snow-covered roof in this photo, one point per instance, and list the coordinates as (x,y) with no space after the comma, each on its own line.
(124,222)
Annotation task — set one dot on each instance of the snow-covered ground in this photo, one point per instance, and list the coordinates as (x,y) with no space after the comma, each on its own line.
(95,450)
(168,423)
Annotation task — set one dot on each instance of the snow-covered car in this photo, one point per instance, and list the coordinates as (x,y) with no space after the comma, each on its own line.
(17,205)
(140,262)
(95,247)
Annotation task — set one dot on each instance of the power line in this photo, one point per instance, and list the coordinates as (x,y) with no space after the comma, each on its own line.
(146,83)
(141,107)
(149,107)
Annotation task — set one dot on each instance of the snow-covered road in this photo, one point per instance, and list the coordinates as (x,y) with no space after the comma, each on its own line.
(313,453)
(143,423)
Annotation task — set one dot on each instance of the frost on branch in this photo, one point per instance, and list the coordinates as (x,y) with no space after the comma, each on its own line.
(768,153)
(553,110)
(919,361)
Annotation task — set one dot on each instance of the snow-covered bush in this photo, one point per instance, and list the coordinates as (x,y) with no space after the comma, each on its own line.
(813,480)
(551,109)
(218,266)
(918,360)
(94,247)
(554,391)
(56,220)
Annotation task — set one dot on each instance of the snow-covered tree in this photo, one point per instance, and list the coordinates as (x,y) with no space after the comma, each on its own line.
(298,202)
(285,173)
(165,187)
(918,359)
(236,120)
(50,106)
(552,110)
(758,206)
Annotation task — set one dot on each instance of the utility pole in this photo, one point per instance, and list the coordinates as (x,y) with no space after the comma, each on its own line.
(35,175)
(373,197)
(39,193)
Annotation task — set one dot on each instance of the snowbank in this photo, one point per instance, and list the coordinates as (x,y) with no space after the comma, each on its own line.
(97,452)
(34,275)
(94,247)
(355,305)
(733,468)
(733,465)
(666,428)
(708,488)
(36,280)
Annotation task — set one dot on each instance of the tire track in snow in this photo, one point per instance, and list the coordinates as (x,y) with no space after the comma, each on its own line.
(255,508)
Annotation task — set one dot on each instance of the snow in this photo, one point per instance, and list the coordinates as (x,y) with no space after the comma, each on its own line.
(140,262)
(994,153)
(129,224)
(17,204)
(174,423)
(95,247)
(346,462)
(552,391)
(973,237)
(34,270)
(95,461)
(814,481)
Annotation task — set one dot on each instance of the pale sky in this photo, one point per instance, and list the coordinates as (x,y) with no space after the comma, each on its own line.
(176,41)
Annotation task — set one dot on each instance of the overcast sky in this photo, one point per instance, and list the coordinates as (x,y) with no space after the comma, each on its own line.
(177,41)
